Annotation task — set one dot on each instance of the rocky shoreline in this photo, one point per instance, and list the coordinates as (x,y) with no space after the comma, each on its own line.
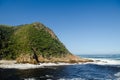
(12,64)
(44,62)
(66,59)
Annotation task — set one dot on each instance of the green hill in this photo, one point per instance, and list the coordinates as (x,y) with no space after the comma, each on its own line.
(32,43)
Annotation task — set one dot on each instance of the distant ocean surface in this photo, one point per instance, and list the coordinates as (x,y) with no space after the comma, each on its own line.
(105,67)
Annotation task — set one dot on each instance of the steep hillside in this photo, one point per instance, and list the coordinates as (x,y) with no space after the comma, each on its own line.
(5,34)
(32,43)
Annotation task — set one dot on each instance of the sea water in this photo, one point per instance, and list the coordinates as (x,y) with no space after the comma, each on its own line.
(104,67)
(108,64)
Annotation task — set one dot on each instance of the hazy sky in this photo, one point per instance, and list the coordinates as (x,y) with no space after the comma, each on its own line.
(84,26)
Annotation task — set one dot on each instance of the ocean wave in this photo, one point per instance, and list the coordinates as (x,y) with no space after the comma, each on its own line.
(84,79)
(71,79)
(105,61)
(12,64)
(29,79)
(57,79)
(117,75)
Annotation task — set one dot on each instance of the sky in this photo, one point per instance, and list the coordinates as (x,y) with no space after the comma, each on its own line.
(83,26)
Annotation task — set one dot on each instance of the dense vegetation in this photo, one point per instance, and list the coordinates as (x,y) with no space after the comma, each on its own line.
(32,39)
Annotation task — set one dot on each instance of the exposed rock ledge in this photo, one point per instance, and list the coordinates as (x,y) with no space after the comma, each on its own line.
(39,59)
(53,62)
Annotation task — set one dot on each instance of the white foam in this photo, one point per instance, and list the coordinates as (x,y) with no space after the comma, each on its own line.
(57,79)
(71,79)
(12,64)
(105,61)
(117,75)
(29,79)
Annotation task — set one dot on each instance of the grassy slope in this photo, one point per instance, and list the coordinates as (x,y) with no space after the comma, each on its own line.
(29,39)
